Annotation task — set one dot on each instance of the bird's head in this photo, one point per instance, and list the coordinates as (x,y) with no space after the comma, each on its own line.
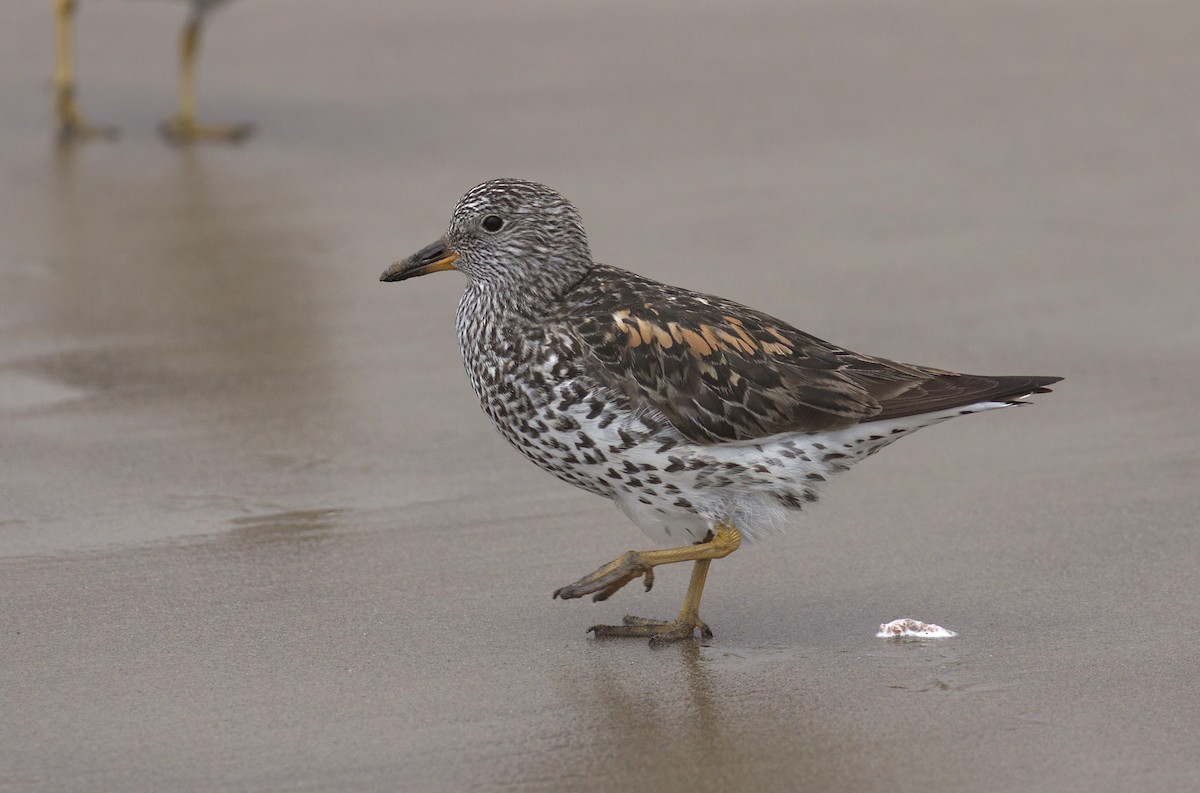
(509,236)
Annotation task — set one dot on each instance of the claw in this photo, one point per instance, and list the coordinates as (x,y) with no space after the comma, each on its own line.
(72,125)
(659,632)
(77,129)
(181,130)
(606,581)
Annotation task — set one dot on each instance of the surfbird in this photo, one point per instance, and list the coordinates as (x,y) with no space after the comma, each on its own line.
(705,421)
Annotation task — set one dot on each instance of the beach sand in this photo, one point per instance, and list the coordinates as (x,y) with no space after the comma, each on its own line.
(255,533)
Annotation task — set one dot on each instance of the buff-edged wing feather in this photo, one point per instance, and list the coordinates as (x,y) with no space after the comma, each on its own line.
(719,371)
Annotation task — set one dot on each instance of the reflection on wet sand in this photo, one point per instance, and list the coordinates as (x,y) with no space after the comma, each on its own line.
(687,717)
(295,527)
(184,247)
(172,320)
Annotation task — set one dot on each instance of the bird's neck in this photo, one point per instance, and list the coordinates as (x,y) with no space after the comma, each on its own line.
(529,299)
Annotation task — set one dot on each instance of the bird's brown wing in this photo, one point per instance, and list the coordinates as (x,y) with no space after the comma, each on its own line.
(719,371)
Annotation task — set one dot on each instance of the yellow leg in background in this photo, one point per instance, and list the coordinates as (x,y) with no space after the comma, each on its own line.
(635,564)
(71,123)
(184,127)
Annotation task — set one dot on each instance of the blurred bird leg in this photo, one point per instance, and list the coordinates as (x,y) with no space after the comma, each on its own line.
(634,564)
(184,127)
(71,123)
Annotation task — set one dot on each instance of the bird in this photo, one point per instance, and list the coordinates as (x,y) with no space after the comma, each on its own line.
(183,127)
(706,422)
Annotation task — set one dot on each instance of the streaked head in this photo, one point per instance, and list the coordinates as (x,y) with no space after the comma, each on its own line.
(508,234)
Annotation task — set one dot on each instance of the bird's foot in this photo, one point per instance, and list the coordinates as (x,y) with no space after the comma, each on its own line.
(73,127)
(605,581)
(659,631)
(180,130)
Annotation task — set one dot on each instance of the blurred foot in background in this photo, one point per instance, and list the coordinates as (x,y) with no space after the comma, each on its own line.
(183,127)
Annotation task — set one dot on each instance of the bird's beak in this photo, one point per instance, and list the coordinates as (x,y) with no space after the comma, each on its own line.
(429,259)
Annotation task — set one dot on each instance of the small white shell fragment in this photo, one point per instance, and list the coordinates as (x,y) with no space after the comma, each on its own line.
(907,626)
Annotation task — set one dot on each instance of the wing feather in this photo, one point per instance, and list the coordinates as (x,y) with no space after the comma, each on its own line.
(719,371)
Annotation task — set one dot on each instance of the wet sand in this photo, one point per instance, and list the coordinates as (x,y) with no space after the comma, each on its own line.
(255,533)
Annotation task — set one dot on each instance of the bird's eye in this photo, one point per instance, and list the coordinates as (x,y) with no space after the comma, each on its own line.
(493,223)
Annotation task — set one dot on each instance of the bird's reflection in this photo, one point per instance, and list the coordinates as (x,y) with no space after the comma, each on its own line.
(689,717)
(179,294)
(183,249)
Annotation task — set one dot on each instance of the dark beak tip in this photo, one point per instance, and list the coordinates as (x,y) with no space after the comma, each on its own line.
(397,272)
(429,259)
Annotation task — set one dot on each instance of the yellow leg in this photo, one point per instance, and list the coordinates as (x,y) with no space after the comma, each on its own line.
(184,127)
(71,123)
(635,564)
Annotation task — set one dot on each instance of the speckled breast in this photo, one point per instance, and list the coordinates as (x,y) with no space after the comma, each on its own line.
(536,395)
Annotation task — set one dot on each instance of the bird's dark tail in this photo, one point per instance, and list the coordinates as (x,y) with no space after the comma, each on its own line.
(944,392)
